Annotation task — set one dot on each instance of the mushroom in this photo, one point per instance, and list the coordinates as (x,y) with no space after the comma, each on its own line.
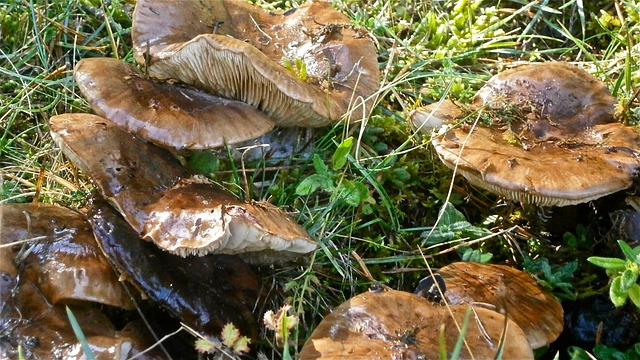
(178,212)
(64,261)
(235,50)
(204,292)
(506,290)
(553,116)
(390,324)
(167,114)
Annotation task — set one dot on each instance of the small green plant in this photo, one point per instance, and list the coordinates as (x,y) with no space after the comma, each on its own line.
(231,343)
(555,278)
(623,273)
(281,322)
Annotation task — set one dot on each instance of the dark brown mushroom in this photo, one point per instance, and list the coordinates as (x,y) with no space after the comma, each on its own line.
(204,292)
(161,200)
(553,142)
(64,260)
(236,50)
(389,324)
(509,291)
(166,114)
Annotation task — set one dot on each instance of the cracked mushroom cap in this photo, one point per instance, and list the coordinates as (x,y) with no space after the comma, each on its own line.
(390,324)
(239,51)
(165,204)
(509,291)
(166,114)
(557,144)
(64,261)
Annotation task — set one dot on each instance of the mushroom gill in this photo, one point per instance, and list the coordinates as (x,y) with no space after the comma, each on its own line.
(236,50)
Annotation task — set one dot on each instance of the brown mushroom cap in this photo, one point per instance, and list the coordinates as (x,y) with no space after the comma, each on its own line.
(507,290)
(166,114)
(390,324)
(66,264)
(157,196)
(565,149)
(235,50)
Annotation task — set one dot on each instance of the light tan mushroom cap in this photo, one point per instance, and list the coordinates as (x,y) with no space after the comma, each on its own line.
(391,324)
(198,219)
(163,203)
(433,116)
(168,115)
(242,59)
(506,290)
(566,148)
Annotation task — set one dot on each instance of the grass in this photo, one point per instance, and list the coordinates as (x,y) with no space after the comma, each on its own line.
(378,189)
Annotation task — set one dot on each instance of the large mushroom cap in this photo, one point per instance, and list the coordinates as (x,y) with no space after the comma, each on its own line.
(161,201)
(557,144)
(64,261)
(235,50)
(391,324)
(166,114)
(507,290)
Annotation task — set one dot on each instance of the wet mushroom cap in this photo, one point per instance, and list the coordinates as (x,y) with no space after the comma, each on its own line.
(178,212)
(389,324)
(166,114)
(236,50)
(557,144)
(506,290)
(65,263)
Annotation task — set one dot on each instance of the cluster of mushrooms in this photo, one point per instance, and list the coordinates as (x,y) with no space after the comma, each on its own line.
(214,73)
(551,140)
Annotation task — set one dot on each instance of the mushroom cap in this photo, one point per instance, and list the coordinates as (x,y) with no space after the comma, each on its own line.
(242,58)
(390,324)
(166,114)
(204,292)
(161,200)
(200,219)
(433,116)
(507,290)
(67,263)
(565,122)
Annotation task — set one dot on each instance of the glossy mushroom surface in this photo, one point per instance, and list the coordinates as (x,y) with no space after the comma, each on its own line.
(204,292)
(164,204)
(64,260)
(236,50)
(166,114)
(509,291)
(389,324)
(552,142)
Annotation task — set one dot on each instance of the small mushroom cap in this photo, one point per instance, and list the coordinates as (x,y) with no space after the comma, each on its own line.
(507,290)
(204,292)
(565,123)
(66,264)
(391,324)
(200,219)
(161,201)
(241,59)
(166,114)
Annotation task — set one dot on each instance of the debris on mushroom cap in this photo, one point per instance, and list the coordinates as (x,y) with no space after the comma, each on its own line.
(235,50)
(391,324)
(200,219)
(166,114)
(168,206)
(592,155)
(204,292)
(508,291)
(64,260)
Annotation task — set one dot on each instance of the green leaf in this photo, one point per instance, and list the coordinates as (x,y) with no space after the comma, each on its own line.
(634,294)
(75,326)
(319,166)
(618,297)
(340,156)
(628,278)
(313,183)
(607,263)
(628,252)
(229,335)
